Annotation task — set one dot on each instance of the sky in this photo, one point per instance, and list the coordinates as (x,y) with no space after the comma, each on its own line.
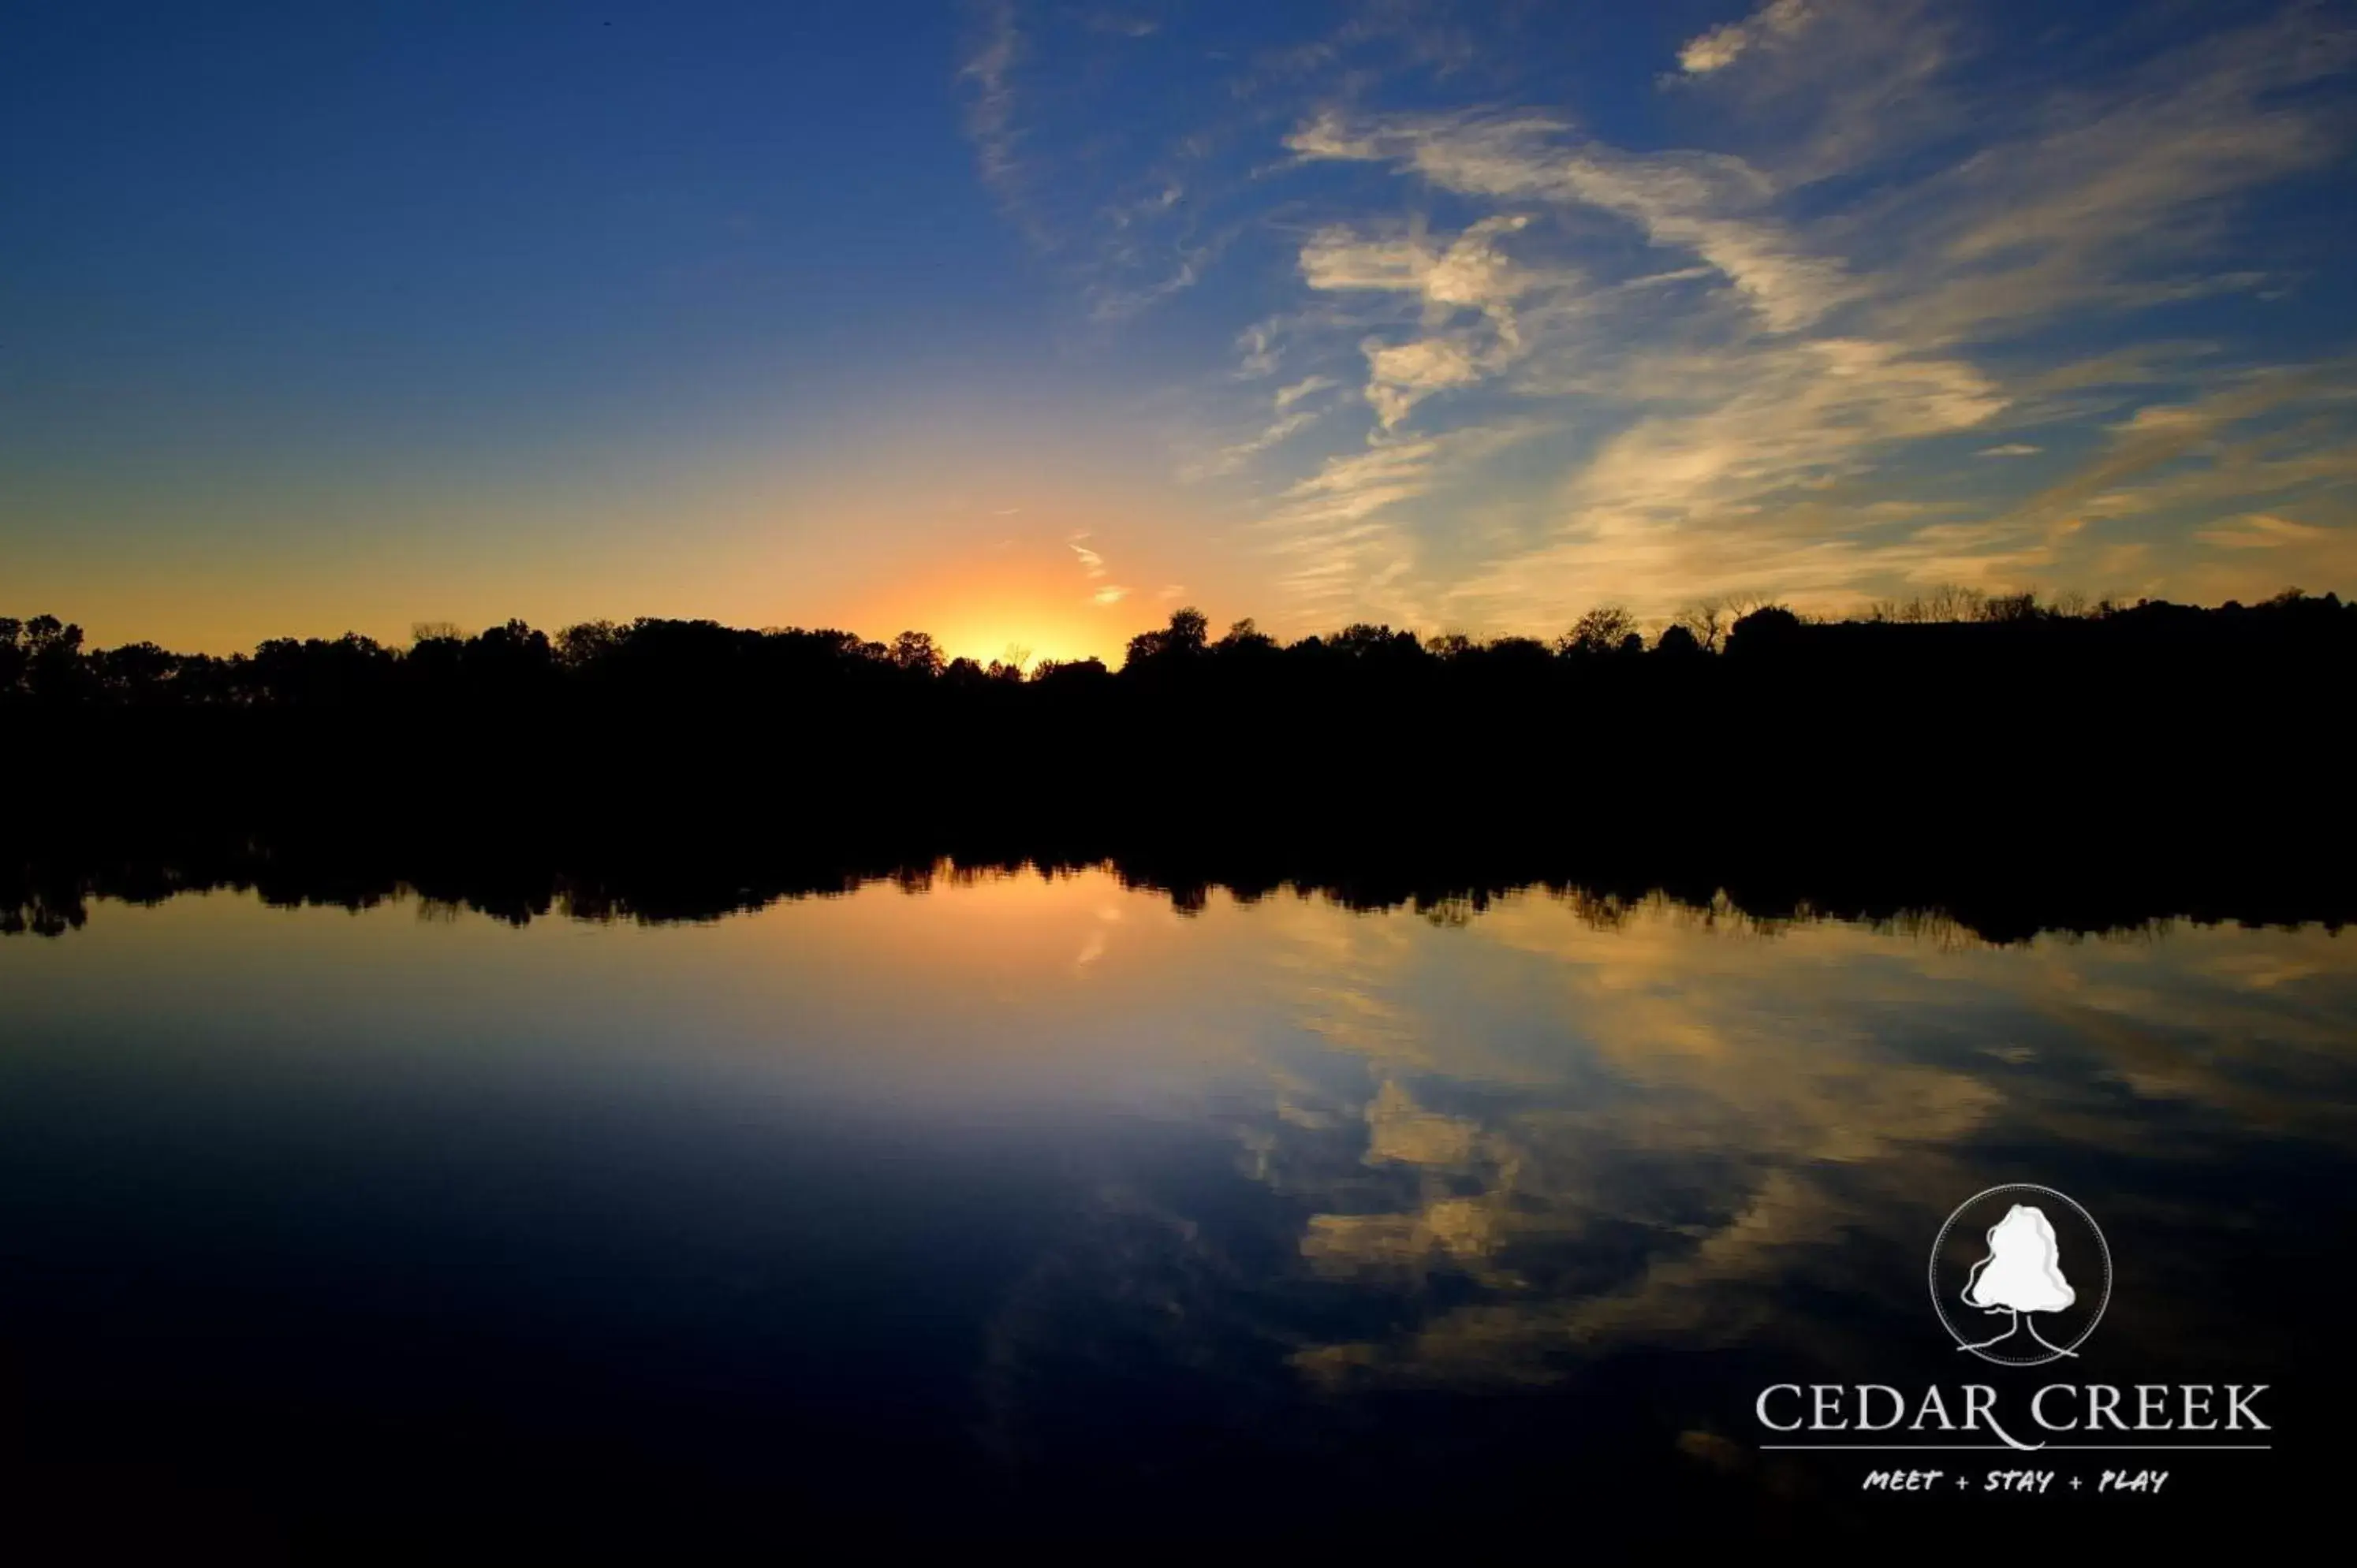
(1025,321)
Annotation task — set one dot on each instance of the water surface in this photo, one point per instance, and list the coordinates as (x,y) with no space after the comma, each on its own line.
(1032,1205)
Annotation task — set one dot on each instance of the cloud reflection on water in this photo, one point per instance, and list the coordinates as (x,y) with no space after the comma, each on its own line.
(1644,1126)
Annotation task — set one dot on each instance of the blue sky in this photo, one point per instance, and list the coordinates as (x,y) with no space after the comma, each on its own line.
(1025,321)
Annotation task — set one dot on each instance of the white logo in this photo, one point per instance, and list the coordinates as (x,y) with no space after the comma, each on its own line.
(2010,1255)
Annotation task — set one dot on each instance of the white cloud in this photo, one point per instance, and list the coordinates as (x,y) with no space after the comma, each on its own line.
(1094,568)
(1260,351)
(1760,450)
(1335,533)
(1467,271)
(1710,204)
(1308,386)
(1751,492)
(1345,489)
(1752,371)
(1126,240)
(990,114)
(1324,136)
(1401,375)
(1716,50)
(1331,545)
(1446,279)
(2262,530)
(1723,45)
(1228,459)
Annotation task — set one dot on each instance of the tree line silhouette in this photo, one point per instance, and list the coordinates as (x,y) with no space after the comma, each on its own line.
(45,666)
(49,894)
(1911,756)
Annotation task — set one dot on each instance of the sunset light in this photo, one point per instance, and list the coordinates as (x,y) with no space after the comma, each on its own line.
(1346,782)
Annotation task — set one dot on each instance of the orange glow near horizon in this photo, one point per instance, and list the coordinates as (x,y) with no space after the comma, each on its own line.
(1041,582)
(978,607)
(980,551)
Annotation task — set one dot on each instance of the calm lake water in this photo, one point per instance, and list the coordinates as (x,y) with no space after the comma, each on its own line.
(1020,1205)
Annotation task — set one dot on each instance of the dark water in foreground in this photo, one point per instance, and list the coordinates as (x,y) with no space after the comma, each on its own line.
(1042,1209)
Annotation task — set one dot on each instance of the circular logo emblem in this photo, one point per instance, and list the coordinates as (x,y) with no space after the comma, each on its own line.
(2021,1276)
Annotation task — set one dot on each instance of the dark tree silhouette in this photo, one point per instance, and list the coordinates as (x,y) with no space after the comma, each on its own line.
(1607,628)
(2124,761)
(916,652)
(1182,639)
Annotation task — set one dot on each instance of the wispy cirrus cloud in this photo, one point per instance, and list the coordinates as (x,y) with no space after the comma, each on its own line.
(1501,361)
(1722,46)
(1713,205)
(1094,568)
(1119,208)
(2262,530)
(988,74)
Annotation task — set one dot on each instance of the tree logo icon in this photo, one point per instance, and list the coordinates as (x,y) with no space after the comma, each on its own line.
(2021,1276)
